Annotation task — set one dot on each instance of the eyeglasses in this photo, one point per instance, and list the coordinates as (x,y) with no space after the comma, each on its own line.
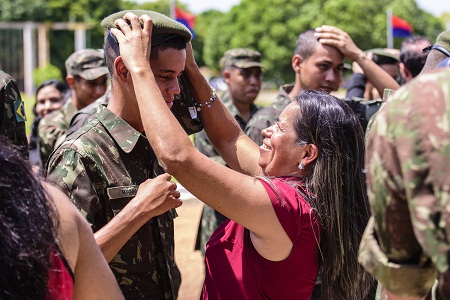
(436,47)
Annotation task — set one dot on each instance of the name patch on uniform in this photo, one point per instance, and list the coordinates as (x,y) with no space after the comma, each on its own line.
(122,191)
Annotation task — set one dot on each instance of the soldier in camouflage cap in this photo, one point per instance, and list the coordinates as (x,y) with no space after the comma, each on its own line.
(358,87)
(111,173)
(242,72)
(406,244)
(87,63)
(87,79)
(241,58)
(12,113)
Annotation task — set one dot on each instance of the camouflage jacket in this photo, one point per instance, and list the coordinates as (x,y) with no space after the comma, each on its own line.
(406,243)
(266,117)
(100,168)
(202,142)
(12,113)
(84,115)
(52,129)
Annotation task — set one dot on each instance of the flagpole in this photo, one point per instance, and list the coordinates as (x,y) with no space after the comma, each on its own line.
(390,38)
(172,9)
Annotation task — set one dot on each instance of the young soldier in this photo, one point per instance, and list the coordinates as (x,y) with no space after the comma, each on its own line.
(110,171)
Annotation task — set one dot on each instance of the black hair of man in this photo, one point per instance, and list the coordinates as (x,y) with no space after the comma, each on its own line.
(413,59)
(306,44)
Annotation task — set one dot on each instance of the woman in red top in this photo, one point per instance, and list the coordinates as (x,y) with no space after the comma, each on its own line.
(296,202)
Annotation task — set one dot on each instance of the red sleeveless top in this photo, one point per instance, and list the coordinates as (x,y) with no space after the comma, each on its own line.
(235,270)
(60,278)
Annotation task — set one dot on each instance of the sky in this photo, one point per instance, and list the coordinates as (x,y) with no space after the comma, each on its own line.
(435,7)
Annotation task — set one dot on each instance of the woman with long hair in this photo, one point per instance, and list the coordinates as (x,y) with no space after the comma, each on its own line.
(296,204)
(50,96)
(47,248)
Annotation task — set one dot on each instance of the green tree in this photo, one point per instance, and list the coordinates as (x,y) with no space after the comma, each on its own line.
(272,27)
(62,41)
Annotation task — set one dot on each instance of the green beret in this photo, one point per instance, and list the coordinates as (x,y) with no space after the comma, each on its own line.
(163,26)
(385,56)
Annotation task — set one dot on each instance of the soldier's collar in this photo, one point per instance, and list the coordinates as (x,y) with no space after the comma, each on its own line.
(123,133)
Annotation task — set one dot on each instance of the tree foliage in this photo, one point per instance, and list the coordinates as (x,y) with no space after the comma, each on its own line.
(272,27)
(269,26)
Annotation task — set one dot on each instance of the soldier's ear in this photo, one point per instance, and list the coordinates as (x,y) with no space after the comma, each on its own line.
(297,61)
(120,70)
(70,80)
(226,75)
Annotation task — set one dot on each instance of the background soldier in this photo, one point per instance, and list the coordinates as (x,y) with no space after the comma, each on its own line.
(87,79)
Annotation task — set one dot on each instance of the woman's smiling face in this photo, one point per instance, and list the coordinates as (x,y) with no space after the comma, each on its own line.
(280,152)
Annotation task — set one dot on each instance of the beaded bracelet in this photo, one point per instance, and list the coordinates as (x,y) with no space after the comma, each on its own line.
(200,106)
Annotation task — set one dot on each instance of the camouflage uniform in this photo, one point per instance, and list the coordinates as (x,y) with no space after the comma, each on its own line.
(406,243)
(89,65)
(84,115)
(268,116)
(52,129)
(12,113)
(210,218)
(100,167)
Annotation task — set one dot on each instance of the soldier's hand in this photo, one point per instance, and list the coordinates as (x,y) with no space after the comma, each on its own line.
(335,37)
(190,59)
(134,41)
(156,196)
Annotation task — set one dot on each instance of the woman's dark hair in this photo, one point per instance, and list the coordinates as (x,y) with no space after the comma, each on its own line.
(27,229)
(338,184)
(64,89)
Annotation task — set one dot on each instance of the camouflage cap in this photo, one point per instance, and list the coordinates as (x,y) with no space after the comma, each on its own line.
(163,27)
(241,58)
(382,56)
(86,63)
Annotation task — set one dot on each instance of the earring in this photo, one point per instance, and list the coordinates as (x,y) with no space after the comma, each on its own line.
(301,166)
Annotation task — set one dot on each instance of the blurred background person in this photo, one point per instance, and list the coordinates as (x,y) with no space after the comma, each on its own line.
(50,95)
(412,56)
(359,87)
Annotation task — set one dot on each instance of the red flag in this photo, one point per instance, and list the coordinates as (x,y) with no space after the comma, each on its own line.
(185,18)
(401,28)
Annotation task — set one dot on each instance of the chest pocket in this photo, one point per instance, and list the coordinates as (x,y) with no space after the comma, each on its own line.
(120,196)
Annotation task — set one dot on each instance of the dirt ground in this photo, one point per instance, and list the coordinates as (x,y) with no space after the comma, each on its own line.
(189,262)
